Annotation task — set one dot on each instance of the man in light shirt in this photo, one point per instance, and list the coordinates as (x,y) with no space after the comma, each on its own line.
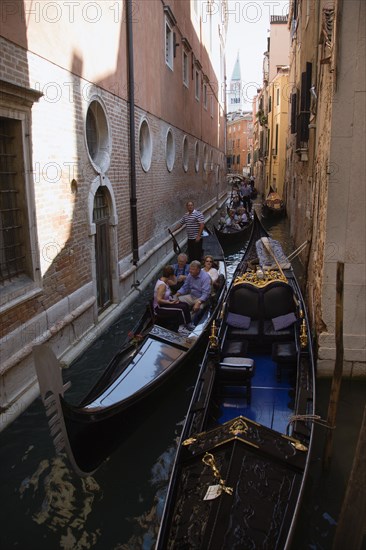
(196,289)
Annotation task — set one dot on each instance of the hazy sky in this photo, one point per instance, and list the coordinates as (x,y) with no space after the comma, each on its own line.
(248,26)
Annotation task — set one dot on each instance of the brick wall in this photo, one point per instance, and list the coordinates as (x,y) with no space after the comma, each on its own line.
(63,310)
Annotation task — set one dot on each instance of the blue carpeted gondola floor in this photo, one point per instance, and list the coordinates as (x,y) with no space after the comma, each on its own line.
(272,400)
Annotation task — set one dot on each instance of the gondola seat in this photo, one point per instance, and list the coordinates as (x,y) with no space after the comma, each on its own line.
(284,354)
(279,313)
(245,305)
(164,322)
(237,371)
(266,314)
(272,334)
(253,331)
(235,348)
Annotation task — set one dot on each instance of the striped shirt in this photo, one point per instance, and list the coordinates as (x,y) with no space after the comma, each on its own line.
(193,222)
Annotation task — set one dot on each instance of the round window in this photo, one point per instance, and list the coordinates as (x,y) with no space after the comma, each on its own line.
(185,154)
(170,150)
(145,145)
(197,157)
(97,136)
(205,158)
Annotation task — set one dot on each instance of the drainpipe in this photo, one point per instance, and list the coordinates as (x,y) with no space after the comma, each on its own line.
(131,100)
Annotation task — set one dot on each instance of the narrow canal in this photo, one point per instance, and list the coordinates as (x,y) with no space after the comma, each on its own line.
(45,506)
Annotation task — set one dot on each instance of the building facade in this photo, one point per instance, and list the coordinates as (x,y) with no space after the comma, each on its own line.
(112,117)
(277,120)
(325,176)
(239,143)
(270,108)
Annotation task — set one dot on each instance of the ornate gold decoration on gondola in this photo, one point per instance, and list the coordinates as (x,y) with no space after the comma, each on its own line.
(214,341)
(209,460)
(299,446)
(189,441)
(222,311)
(260,278)
(303,334)
(239,427)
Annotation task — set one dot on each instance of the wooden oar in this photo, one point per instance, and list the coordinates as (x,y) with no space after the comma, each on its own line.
(176,246)
(265,241)
(298,250)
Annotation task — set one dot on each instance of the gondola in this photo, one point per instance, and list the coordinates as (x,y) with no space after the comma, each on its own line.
(229,236)
(234,180)
(90,431)
(273,205)
(243,456)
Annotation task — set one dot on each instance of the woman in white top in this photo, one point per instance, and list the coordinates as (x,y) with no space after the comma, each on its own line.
(208,266)
(170,312)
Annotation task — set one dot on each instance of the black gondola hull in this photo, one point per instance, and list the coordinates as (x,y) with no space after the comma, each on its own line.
(231,237)
(117,402)
(241,465)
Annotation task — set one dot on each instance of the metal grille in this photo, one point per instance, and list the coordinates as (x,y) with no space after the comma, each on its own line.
(101,210)
(102,251)
(12,257)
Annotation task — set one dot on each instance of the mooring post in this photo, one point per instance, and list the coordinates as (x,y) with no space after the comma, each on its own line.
(338,367)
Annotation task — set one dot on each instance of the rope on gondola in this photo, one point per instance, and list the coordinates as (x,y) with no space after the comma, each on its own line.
(176,246)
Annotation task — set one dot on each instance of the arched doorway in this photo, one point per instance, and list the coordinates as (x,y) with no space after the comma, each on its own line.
(102,249)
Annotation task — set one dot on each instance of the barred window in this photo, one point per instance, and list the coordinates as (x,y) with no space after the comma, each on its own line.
(13,215)
(20,274)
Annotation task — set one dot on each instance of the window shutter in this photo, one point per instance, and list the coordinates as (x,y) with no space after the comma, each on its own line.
(293,113)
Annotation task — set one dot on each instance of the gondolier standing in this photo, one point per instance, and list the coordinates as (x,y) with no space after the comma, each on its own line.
(194,221)
(246,192)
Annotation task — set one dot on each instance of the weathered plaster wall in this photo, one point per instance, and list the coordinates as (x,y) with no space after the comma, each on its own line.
(345,223)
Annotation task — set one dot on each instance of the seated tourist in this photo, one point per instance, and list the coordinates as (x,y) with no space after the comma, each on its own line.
(243,217)
(230,221)
(196,289)
(170,310)
(181,271)
(208,266)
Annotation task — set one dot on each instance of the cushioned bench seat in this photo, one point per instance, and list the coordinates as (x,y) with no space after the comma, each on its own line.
(235,348)
(282,334)
(251,332)
(234,371)
(267,313)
